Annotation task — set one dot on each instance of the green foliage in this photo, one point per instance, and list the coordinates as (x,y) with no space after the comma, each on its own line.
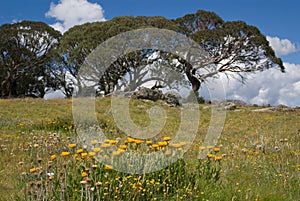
(199,21)
(239,42)
(25,55)
(42,59)
(201,100)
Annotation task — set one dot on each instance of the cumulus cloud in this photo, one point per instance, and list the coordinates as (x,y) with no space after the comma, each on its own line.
(282,46)
(267,87)
(69,13)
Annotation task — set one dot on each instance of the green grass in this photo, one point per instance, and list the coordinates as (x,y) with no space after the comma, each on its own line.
(261,155)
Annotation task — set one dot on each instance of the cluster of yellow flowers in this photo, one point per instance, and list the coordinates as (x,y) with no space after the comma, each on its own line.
(80,159)
(212,152)
(119,148)
(24,124)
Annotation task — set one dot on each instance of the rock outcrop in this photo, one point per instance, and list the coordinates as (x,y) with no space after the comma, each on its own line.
(148,94)
(171,98)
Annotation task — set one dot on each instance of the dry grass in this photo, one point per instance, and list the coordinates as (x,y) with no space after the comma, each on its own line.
(261,151)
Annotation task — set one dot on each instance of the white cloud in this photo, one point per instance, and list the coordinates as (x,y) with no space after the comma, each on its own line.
(69,13)
(282,46)
(267,87)
(15,21)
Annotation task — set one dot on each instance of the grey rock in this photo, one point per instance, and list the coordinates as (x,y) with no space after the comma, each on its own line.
(172,98)
(230,106)
(267,109)
(148,94)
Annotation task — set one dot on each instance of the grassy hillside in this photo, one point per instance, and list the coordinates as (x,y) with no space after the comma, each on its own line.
(257,156)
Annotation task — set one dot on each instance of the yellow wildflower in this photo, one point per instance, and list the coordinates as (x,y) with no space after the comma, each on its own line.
(209,147)
(168,153)
(93,142)
(148,142)
(210,155)
(108,167)
(183,144)
(178,145)
(218,158)
(84,155)
(72,146)
(91,154)
(79,151)
(113,142)
(116,153)
(155,146)
(123,147)
(106,141)
(138,142)
(97,149)
(32,170)
(105,145)
(167,139)
(53,157)
(83,174)
(162,144)
(201,148)
(65,153)
(216,149)
(130,140)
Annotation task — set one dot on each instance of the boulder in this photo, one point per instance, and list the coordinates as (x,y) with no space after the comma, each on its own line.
(267,109)
(172,98)
(283,108)
(230,106)
(148,94)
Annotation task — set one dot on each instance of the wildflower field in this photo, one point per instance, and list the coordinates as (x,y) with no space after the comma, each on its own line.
(256,158)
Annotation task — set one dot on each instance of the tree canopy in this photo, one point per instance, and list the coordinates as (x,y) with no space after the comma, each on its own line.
(25,55)
(34,57)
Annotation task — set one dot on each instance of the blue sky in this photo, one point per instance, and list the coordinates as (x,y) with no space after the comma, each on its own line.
(276,19)
(273,17)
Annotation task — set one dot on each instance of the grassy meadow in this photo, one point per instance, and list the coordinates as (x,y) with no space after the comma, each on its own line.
(256,158)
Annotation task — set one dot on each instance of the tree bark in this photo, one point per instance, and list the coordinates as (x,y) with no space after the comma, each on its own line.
(190,73)
(7,89)
(3,89)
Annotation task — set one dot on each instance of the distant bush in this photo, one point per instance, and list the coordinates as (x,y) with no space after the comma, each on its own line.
(201,100)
